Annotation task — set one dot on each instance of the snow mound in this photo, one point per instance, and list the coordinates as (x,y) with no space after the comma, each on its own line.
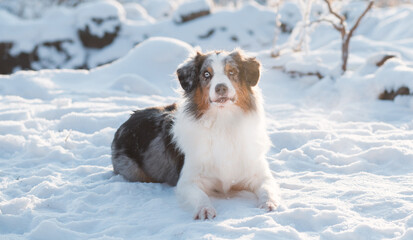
(191,10)
(377,60)
(132,83)
(27,85)
(136,12)
(290,15)
(93,11)
(147,69)
(155,60)
(159,9)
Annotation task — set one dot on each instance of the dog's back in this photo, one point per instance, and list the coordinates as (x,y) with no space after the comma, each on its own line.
(142,149)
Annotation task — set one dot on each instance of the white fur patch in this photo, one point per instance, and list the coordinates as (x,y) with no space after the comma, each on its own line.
(217,64)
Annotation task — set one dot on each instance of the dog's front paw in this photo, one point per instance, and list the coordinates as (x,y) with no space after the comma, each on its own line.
(205,213)
(269,205)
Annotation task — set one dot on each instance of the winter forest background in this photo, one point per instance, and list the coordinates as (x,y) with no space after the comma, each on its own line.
(337,79)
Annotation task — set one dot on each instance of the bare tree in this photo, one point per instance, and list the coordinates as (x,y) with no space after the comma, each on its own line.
(277,30)
(299,37)
(303,37)
(345,33)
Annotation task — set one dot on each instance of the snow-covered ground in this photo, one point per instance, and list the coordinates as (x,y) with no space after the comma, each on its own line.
(343,158)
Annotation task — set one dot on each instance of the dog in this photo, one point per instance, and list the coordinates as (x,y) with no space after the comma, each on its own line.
(213,142)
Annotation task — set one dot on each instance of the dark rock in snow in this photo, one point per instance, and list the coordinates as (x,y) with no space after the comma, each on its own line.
(207,35)
(390,95)
(192,16)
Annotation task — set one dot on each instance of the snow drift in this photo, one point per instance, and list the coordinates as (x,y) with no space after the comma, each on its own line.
(343,158)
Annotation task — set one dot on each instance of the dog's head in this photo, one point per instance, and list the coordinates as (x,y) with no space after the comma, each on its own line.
(219,79)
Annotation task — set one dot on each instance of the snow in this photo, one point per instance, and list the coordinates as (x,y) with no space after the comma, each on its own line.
(159,9)
(343,158)
(135,11)
(191,7)
(290,14)
(135,84)
(164,53)
(89,14)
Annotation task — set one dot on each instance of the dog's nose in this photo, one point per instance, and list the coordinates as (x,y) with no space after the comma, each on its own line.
(221,89)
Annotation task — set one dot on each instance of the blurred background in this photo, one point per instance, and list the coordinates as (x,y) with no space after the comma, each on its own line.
(83,34)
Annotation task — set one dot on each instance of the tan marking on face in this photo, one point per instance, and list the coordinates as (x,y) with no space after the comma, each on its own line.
(228,69)
(201,99)
(210,70)
(244,98)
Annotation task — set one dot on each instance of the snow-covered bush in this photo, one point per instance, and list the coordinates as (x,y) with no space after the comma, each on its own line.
(98,32)
(393,77)
(159,9)
(136,12)
(192,10)
(377,60)
(290,15)
(294,19)
(58,54)
(30,9)
(10,62)
(99,23)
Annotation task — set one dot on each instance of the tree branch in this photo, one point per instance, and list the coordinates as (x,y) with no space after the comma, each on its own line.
(330,8)
(359,19)
(337,27)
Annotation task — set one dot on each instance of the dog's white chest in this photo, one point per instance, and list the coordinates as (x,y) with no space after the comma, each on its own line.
(227,151)
(229,161)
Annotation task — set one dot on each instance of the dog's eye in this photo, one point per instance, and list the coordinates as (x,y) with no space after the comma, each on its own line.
(207,74)
(231,72)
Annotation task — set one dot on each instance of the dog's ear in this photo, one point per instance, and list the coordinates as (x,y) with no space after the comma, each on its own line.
(249,67)
(252,71)
(189,71)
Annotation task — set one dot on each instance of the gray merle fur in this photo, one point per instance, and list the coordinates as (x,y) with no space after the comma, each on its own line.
(189,73)
(143,149)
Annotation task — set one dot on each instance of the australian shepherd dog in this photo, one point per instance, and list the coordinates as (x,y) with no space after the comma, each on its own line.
(213,142)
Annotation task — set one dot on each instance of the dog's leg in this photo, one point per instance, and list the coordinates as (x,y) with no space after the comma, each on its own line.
(193,195)
(265,191)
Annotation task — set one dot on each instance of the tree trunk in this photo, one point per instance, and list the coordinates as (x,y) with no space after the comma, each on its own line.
(344,52)
(345,35)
